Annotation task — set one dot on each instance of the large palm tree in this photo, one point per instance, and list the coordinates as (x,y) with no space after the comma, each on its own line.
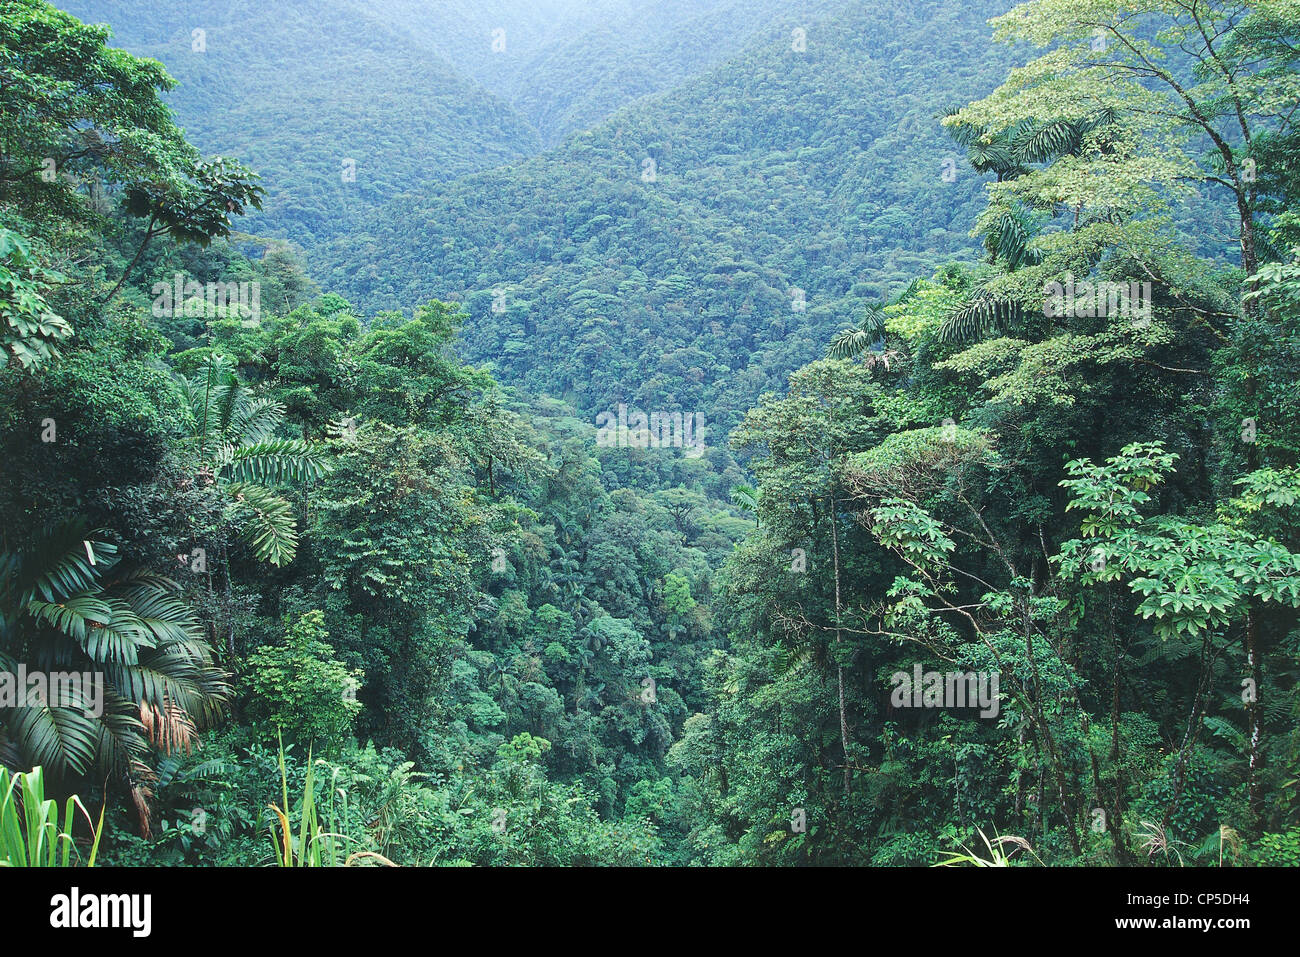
(67,604)
(234,440)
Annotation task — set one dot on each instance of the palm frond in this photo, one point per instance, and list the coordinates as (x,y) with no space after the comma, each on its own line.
(162,616)
(152,683)
(121,638)
(979,318)
(222,400)
(121,740)
(744,497)
(74,615)
(279,460)
(1043,143)
(272,529)
(994,157)
(963,134)
(854,341)
(168,728)
(1009,241)
(849,343)
(56,563)
(256,419)
(211,396)
(62,739)
(912,288)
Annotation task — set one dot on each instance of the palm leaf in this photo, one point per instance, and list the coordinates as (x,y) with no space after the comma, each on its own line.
(279,460)
(150,684)
(1009,240)
(163,617)
(849,343)
(979,318)
(272,529)
(121,638)
(75,615)
(1041,144)
(744,497)
(59,738)
(57,563)
(855,341)
(256,419)
(121,742)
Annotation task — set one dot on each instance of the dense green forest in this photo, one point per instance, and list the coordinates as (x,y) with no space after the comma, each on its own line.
(413,93)
(736,432)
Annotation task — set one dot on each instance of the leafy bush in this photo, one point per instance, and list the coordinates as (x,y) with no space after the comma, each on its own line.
(299,689)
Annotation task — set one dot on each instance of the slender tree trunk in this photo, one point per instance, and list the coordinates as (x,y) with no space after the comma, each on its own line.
(1255,667)
(839,637)
(230,618)
(1193,729)
(1249,252)
(1053,752)
(148,237)
(1020,781)
(1117,812)
(1040,798)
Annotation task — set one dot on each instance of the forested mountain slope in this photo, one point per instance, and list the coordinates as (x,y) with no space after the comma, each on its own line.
(296,89)
(414,92)
(565,66)
(696,246)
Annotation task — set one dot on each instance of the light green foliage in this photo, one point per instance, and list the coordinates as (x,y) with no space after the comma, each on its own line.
(523,748)
(1279,850)
(924,311)
(1191,576)
(30,332)
(1117,57)
(677,595)
(32,831)
(300,689)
